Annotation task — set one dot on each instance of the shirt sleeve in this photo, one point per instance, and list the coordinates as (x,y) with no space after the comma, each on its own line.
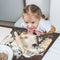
(44,26)
(47,26)
(20,23)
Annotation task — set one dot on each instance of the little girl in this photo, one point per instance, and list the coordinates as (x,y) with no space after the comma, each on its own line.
(34,21)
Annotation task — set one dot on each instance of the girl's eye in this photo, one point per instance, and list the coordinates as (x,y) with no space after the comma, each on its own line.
(26,22)
(32,22)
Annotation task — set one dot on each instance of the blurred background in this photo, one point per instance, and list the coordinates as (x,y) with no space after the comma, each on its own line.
(11,10)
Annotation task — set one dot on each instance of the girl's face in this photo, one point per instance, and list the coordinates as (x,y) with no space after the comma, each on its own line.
(31,21)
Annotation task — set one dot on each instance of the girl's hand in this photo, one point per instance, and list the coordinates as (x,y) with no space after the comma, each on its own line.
(36,32)
(39,33)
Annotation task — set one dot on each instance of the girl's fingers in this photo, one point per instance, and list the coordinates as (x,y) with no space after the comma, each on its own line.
(39,33)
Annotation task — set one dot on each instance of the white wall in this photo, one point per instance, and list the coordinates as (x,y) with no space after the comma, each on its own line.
(55,14)
(10,10)
(43,4)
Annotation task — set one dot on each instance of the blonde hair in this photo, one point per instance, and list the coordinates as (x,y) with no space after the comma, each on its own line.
(34,10)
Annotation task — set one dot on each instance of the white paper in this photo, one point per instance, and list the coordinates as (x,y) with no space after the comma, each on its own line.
(51,56)
(54,52)
(56,46)
(4,32)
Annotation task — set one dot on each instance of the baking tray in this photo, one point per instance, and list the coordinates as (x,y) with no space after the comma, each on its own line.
(53,36)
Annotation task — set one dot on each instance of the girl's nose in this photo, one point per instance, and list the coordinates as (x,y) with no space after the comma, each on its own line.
(29,25)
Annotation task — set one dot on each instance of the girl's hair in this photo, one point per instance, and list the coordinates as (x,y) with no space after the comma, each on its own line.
(33,9)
